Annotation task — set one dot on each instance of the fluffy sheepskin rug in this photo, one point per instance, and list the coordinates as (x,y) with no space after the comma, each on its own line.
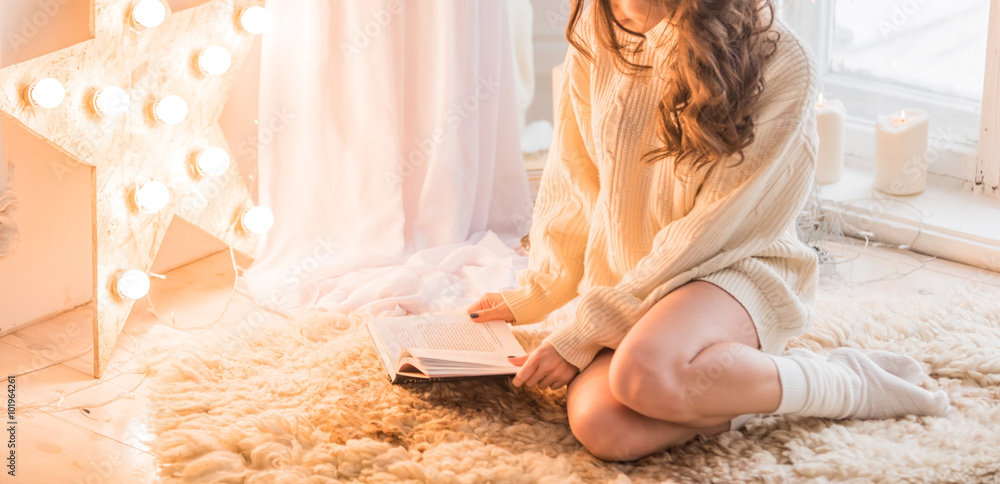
(308,403)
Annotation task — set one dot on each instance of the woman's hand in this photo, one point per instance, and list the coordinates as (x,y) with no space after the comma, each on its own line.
(545,368)
(490,307)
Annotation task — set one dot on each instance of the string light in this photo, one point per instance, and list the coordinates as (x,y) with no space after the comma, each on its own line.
(215,61)
(111,102)
(47,93)
(255,20)
(152,197)
(84,95)
(213,161)
(257,220)
(149,13)
(171,110)
(133,284)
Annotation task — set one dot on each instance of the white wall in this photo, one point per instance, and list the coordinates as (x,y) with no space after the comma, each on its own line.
(51,271)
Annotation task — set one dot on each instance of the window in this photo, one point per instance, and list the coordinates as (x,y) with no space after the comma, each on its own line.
(881,56)
(939,47)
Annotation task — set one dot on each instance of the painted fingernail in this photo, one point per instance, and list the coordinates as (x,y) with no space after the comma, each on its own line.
(474,315)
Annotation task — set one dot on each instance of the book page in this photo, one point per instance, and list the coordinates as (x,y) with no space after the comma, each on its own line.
(478,358)
(384,355)
(445,332)
(426,364)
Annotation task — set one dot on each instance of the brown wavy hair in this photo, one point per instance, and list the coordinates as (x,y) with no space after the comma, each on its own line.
(713,72)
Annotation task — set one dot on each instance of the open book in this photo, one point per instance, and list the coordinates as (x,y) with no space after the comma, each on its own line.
(420,348)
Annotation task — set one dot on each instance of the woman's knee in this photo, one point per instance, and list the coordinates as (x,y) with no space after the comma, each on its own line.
(603,425)
(596,425)
(654,387)
(673,390)
(660,370)
(610,431)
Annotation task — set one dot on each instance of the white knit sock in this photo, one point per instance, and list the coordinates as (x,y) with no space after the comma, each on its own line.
(852,384)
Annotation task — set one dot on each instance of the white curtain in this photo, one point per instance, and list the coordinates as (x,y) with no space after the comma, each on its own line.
(389,154)
(522,32)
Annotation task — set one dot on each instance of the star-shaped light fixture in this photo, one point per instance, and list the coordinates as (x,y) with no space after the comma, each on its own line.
(140,104)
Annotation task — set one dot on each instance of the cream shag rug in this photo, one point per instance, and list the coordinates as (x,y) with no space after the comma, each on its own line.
(308,403)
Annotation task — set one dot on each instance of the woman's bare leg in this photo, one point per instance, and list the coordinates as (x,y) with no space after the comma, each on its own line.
(653,392)
(612,431)
(693,359)
(692,363)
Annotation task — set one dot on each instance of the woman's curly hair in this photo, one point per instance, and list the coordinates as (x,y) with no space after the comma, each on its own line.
(713,73)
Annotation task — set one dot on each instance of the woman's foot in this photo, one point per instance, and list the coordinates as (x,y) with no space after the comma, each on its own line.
(854,384)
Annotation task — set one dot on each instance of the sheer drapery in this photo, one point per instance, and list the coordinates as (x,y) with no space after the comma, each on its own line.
(389,154)
(8,203)
(521,22)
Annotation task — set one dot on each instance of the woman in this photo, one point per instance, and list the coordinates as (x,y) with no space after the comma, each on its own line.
(685,147)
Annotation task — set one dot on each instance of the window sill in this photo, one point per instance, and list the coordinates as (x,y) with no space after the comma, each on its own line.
(943,221)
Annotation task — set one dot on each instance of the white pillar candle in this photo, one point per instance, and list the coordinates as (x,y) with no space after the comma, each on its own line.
(901,152)
(830,116)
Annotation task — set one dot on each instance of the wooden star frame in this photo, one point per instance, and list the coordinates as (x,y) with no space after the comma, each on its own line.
(126,152)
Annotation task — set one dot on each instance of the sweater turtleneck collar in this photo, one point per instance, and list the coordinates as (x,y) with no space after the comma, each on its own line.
(657,36)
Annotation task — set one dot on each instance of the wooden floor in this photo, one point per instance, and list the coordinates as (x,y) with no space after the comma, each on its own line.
(72,428)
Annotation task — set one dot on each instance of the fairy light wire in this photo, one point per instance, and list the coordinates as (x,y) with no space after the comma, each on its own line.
(817,226)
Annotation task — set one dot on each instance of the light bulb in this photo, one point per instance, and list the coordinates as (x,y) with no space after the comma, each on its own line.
(152,197)
(171,110)
(111,102)
(257,220)
(149,13)
(213,161)
(214,61)
(255,20)
(47,93)
(133,284)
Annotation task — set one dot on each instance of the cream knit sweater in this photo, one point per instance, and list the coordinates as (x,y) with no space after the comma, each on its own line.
(623,233)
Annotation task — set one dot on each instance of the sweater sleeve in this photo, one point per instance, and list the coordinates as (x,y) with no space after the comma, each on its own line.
(738,211)
(560,222)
